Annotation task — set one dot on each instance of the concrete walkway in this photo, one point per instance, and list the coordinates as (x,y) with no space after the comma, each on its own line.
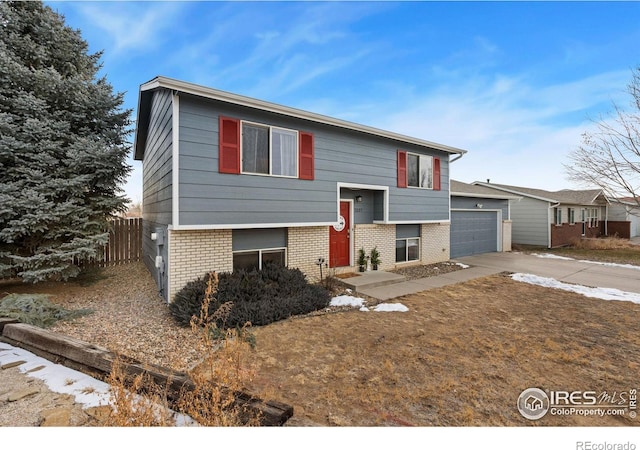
(570,271)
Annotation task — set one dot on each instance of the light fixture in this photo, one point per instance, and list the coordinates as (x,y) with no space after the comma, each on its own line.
(358,198)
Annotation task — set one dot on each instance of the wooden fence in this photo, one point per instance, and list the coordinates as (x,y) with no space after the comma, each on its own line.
(125,242)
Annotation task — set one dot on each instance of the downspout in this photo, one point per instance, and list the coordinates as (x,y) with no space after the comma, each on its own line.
(606,220)
(549,222)
(456,158)
(460,155)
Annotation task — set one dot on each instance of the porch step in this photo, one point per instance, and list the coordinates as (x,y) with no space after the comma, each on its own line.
(371,279)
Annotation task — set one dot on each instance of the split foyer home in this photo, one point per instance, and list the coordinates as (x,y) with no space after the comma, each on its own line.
(232,182)
(555,219)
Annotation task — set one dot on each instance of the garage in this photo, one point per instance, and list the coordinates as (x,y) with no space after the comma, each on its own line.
(480,220)
(474,232)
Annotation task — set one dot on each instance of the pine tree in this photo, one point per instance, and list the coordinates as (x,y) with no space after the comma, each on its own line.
(63,146)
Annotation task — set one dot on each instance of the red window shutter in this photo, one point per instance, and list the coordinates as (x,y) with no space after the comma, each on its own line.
(229,145)
(306,156)
(436,174)
(402,169)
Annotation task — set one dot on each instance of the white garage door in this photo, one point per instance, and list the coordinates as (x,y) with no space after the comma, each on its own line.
(473,232)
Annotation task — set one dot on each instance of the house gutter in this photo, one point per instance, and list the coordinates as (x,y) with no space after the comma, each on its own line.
(227,97)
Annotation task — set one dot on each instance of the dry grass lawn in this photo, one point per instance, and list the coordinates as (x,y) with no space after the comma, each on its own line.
(460,357)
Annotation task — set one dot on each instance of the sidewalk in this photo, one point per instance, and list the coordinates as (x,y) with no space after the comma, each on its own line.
(401,288)
(586,273)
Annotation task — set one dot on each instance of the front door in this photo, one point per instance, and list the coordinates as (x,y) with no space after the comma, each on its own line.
(339,238)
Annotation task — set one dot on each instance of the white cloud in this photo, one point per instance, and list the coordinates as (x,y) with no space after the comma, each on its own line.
(516,132)
(131,26)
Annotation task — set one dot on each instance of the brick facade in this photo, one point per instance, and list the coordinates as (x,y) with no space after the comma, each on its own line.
(304,246)
(435,242)
(194,253)
(383,237)
(566,234)
(619,228)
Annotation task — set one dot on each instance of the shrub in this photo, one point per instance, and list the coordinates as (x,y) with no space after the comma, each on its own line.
(36,309)
(259,297)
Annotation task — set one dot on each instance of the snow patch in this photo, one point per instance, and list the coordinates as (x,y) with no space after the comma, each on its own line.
(86,390)
(347,300)
(600,263)
(601,293)
(390,307)
(464,266)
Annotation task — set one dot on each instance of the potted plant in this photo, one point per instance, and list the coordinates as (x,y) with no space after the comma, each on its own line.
(362,260)
(374,257)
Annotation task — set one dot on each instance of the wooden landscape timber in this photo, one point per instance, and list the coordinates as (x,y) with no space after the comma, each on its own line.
(98,362)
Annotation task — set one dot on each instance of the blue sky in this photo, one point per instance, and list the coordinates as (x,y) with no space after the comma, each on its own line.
(514,83)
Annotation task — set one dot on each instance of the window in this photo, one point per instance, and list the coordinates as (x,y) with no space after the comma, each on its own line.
(252,248)
(419,171)
(246,147)
(255,259)
(592,217)
(572,216)
(557,212)
(407,243)
(269,150)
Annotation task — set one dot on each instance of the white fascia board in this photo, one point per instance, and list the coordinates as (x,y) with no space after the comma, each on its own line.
(237,226)
(476,195)
(175,160)
(518,193)
(410,222)
(366,187)
(215,94)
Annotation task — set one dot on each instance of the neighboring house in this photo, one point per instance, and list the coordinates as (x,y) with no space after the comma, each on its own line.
(480,220)
(554,219)
(233,182)
(626,214)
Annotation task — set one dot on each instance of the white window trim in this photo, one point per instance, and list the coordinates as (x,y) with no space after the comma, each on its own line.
(270,128)
(432,176)
(571,213)
(557,215)
(407,260)
(260,251)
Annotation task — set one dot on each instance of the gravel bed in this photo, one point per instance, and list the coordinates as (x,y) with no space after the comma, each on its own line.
(129,318)
(428,270)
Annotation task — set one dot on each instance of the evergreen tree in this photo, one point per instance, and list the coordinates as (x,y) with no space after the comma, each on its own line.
(63,146)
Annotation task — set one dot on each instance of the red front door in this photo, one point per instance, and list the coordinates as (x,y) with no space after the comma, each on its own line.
(339,238)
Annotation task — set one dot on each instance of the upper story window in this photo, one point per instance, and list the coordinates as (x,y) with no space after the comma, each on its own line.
(269,150)
(246,147)
(420,171)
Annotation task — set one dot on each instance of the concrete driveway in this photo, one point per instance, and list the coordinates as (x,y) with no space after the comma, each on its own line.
(571,271)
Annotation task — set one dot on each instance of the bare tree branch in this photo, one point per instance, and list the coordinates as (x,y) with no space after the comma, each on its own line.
(609,157)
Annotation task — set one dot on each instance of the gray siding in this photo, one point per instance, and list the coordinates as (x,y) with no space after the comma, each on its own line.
(530,222)
(151,249)
(208,197)
(157,163)
(487,203)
